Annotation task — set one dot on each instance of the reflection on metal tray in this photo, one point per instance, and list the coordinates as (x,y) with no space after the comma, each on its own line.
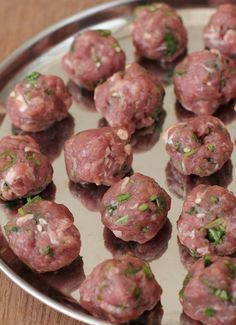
(43,53)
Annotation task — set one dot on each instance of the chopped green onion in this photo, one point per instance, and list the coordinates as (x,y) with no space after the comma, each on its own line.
(207,260)
(185,282)
(32,78)
(48,91)
(153,198)
(137,292)
(171,44)
(231,268)
(192,211)
(46,251)
(148,272)
(110,208)
(143,207)
(211,147)
(123,197)
(122,220)
(214,199)
(145,229)
(11,228)
(103,32)
(11,156)
(36,161)
(21,211)
(209,312)
(188,152)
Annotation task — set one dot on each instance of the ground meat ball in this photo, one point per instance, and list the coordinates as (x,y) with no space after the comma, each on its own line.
(205,80)
(100,156)
(220,32)
(130,99)
(209,291)
(93,57)
(24,170)
(38,101)
(43,235)
(119,290)
(158,33)
(199,146)
(135,208)
(208,221)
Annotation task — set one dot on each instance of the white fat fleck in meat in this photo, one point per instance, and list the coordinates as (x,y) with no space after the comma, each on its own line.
(192,234)
(202,251)
(153,217)
(200,215)
(40,228)
(198,200)
(147,36)
(27,149)
(21,220)
(12,94)
(124,183)
(42,221)
(23,105)
(229,36)
(117,233)
(53,237)
(208,69)
(128,149)
(122,134)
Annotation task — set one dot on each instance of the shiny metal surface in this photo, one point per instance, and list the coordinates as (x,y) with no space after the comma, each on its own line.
(43,53)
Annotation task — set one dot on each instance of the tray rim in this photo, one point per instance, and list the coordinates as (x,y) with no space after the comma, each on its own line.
(14,277)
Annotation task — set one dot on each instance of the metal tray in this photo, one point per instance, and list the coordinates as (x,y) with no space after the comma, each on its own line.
(43,53)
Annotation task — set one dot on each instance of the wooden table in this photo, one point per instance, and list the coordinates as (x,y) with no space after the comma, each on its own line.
(20,20)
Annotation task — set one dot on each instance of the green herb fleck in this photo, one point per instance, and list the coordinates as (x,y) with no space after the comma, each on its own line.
(192,211)
(195,138)
(110,208)
(231,268)
(214,199)
(131,270)
(48,91)
(72,47)
(103,32)
(156,113)
(171,44)
(207,260)
(211,147)
(145,229)
(143,207)
(147,270)
(122,220)
(211,160)
(32,78)
(215,231)
(199,170)
(220,293)
(209,312)
(188,152)
(11,228)
(32,158)
(137,292)
(153,198)
(46,251)
(180,73)
(123,197)
(11,159)
(21,211)
(185,282)
(161,202)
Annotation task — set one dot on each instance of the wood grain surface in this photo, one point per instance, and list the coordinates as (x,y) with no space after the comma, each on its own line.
(20,20)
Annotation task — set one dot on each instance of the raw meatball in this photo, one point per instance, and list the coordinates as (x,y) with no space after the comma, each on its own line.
(43,235)
(135,208)
(158,33)
(209,291)
(205,80)
(130,99)
(119,290)
(220,32)
(199,146)
(93,57)
(208,221)
(24,170)
(100,156)
(38,101)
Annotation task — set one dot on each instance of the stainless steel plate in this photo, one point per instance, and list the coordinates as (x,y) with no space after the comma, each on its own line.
(43,53)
